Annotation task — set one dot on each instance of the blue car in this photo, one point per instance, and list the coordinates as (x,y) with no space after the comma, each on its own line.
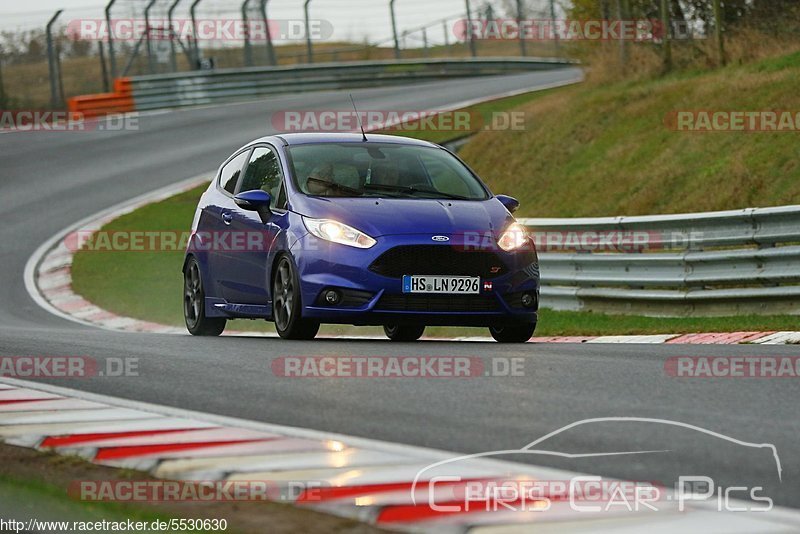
(304,229)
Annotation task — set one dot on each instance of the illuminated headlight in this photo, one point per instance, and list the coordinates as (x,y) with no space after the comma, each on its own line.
(336,232)
(514,237)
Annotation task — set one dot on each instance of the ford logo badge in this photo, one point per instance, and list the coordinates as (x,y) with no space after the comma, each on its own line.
(440,238)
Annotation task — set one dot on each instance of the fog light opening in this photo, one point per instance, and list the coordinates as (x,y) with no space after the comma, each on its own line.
(528,300)
(332,297)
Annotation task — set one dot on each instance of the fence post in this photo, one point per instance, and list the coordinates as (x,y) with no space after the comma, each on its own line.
(667,29)
(150,66)
(394,30)
(248,50)
(719,19)
(173,60)
(55,96)
(554,26)
(522,48)
(112,58)
(60,78)
(192,12)
(270,48)
(622,14)
(3,95)
(470,33)
(309,45)
(103,69)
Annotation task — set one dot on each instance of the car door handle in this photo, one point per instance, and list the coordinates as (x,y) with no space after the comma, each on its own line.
(227,217)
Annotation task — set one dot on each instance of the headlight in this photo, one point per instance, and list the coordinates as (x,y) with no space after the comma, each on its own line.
(514,237)
(336,232)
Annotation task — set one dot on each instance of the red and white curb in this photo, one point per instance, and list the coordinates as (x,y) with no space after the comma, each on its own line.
(368,480)
(48,280)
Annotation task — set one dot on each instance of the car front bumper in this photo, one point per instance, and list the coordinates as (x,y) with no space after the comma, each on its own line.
(324,266)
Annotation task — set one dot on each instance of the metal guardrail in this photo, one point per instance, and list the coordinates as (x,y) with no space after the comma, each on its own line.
(719,263)
(202,88)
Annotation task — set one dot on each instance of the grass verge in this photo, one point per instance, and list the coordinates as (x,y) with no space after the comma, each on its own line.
(607,149)
(33,485)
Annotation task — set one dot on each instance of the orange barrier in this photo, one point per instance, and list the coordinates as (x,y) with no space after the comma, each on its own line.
(120,101)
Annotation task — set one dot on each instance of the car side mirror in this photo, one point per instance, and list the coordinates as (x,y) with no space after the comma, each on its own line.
(510,203)
(255,200)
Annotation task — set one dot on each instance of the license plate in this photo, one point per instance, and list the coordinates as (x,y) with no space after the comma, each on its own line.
(460,285)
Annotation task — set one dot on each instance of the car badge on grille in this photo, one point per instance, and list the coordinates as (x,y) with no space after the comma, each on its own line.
(440,238)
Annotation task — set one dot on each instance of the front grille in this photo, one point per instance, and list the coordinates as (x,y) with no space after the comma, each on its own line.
(438,303)
(437,260)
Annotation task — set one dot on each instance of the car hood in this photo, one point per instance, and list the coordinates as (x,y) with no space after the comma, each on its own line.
(387,216)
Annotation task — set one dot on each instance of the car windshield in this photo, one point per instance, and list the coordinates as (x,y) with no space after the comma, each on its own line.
(382,169)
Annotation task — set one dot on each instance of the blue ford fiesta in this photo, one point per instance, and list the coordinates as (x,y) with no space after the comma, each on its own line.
(304,229)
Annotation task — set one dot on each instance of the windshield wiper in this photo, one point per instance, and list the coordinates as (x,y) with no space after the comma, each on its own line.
(413,189)
(337,186)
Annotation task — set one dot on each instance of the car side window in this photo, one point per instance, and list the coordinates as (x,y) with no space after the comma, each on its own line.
(229,176)
(264,172)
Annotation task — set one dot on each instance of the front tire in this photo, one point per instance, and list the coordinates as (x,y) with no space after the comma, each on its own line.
(513,334)
(194,304)
(286,305)
(403,333)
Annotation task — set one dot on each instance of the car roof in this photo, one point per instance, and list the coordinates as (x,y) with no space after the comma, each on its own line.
(310,138)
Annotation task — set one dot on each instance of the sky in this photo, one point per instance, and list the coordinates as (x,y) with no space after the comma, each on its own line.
(352,20)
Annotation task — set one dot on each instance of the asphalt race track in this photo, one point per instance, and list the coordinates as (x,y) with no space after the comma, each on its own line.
(50,180)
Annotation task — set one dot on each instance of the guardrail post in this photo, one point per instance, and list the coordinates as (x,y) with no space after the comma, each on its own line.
(522,48)
(55,96)
(270,49)
(470,33)
(112,58)
(150,67)
(173,60)
(309,46)
(192,12)
(248,51)
(394,30)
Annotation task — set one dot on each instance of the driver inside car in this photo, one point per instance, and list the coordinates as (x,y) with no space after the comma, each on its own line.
(320,181)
